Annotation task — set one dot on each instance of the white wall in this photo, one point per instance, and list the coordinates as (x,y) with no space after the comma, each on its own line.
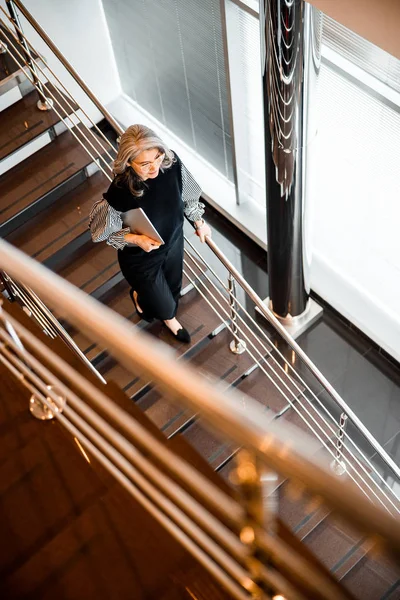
(80,32)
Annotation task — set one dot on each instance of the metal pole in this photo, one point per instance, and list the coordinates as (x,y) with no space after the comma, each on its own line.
(338,465)
(236,346)
(114,124)
(290,61)
(43,103)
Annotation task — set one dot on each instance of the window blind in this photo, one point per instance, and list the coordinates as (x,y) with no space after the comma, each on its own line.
(244,44)
(170,59)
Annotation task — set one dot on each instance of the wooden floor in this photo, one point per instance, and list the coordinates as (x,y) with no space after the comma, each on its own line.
(67,537)
(59,545)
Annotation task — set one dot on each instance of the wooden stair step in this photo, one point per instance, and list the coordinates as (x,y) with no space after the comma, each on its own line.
(263,389)
(371,579)
(23,186)
(296,509)
(26,122)
(329,541)
(217,451)
(214,361)
(60,223)
(212,448)
(118,299)
(220,455)
(193,313)
(91,268)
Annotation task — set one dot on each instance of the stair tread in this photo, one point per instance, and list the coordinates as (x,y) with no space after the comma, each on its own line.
(194,314)
(207,444)
(295,508)
(92,267)
(117,298)
(372,579)
(213,359)
(61,222)
(211,447)
(40,173)
(330,541)
(25,121)
(259,387)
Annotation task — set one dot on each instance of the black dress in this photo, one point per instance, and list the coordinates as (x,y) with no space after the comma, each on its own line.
(156,276)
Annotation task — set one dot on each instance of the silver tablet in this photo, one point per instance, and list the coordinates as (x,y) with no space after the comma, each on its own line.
(138,222)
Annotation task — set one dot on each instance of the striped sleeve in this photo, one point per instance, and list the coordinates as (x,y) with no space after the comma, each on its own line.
(191,192)
(105,224)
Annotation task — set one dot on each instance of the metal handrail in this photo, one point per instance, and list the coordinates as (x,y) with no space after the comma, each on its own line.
(294,402)
(29,17)
(72,129)
(268,314)
(198,530)
(279,446)
(46,318)
(32,79)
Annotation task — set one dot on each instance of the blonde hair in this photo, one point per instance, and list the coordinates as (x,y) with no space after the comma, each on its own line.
(137,139)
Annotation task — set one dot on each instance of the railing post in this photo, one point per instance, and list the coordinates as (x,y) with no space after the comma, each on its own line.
(257,487)
(236,346)
(5,284)
(43,103)
(339,466)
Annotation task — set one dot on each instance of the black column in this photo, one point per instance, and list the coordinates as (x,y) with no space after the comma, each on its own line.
(290,50)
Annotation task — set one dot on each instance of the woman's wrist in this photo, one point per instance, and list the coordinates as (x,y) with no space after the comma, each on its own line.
(199,224)
(131,238)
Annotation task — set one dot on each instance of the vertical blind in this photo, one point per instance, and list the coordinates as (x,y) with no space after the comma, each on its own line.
(170,59)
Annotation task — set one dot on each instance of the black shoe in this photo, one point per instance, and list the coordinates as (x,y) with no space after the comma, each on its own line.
(182,335)
(141,314)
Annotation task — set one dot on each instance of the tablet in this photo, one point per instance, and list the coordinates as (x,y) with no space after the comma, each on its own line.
(138,222)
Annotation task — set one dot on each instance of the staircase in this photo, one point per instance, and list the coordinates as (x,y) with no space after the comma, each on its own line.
(47,187)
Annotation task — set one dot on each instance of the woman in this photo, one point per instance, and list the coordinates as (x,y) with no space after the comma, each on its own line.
(150,176)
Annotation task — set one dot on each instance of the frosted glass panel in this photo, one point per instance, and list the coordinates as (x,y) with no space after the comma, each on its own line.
(358,187)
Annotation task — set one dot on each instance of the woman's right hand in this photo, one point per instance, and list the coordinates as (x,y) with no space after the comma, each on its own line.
(144,242)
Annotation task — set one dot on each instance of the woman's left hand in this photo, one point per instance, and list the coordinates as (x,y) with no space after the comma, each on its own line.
(202,230)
